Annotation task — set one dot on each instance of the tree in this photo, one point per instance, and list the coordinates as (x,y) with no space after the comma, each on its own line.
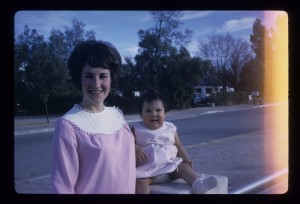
(164,63)
(76,34)
(157,43)
(46,70)
(260,45)
(218,50)
(40,66)
(128,78)
(240,56)
(25,45)
(179,78)
(21,53)
(167,28)
(59,50)
(228,55)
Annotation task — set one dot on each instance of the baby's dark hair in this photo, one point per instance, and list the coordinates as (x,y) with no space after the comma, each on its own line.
(96,54)
(149,96)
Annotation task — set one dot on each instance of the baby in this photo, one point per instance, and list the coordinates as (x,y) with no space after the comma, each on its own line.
(159,152)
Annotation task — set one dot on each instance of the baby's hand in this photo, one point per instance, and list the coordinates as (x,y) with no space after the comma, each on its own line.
(189,162)
(140,154)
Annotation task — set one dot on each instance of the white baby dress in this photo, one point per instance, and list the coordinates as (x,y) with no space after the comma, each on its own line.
(159,145)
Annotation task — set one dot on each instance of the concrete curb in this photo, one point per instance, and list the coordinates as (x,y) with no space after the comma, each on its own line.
(179,186)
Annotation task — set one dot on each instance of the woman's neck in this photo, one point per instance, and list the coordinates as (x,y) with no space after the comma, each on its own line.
(92,108)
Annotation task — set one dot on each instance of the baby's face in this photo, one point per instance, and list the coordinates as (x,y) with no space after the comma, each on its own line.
(153,114)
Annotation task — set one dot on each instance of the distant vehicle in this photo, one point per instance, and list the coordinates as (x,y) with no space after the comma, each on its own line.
(200,100)
(255,98)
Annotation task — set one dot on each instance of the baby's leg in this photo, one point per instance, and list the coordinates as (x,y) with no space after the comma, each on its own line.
(199,185)
(186,172)
(143,185)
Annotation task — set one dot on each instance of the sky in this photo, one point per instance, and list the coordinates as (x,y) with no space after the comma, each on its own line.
(121,27)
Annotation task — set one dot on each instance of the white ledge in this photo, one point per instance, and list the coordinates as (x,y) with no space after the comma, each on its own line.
(179,186)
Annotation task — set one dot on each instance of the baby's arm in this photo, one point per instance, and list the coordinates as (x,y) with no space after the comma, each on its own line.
(181,151)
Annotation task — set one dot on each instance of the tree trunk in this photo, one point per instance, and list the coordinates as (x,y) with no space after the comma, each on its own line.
(46,107)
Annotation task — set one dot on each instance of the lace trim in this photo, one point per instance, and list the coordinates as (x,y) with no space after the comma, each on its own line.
(94,134)
(108,122)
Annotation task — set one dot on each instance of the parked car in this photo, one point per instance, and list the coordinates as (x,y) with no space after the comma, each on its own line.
(200,100)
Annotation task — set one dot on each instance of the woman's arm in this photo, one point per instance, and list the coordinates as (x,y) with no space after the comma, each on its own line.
(65,163)
(140,155)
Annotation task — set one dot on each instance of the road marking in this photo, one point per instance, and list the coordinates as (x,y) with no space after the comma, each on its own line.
(25,132)
(211,112)
(34,179)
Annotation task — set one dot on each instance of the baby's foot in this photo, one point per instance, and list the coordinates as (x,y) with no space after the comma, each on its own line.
(202,185)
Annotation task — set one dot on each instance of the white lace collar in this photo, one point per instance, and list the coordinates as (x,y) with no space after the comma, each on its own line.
(109,121)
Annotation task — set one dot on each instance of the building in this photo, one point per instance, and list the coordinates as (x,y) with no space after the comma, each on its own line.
(210,85)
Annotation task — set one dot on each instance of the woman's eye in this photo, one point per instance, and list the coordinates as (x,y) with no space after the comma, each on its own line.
(88,76)
(102,76)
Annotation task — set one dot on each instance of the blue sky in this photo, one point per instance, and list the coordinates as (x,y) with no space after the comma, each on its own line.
(121,27)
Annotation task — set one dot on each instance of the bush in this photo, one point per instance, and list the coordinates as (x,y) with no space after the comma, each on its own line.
(229,98)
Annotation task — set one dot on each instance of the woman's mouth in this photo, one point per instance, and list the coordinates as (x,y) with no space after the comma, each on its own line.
(96,91)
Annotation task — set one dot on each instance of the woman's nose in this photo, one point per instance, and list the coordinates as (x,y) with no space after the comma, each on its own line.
(96,81)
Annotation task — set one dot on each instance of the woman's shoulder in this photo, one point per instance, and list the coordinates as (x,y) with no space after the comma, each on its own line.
(65,121)
(61,122)
(71,112)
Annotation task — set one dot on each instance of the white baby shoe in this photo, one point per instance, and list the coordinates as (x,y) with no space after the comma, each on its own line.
(202,185)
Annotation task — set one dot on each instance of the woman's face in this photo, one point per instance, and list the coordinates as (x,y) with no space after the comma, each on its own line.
(95,85)
(153,114)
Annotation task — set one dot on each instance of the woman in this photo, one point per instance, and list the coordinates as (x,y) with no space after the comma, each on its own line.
(93,147)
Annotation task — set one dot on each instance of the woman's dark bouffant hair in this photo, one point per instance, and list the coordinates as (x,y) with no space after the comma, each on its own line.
(149,96)
(96,54)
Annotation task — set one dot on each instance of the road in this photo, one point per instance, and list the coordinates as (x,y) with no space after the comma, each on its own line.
(230,143)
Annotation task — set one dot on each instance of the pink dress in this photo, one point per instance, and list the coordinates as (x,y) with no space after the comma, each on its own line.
(93,153)
(159,145)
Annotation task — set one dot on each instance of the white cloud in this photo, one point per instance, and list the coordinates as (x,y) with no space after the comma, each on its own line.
(193,47)
(145,19)
(188,15)
(43,21)
(237,25)
(132,51)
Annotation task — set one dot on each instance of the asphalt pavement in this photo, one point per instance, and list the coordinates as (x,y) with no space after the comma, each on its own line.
(32,124)
(213,157)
